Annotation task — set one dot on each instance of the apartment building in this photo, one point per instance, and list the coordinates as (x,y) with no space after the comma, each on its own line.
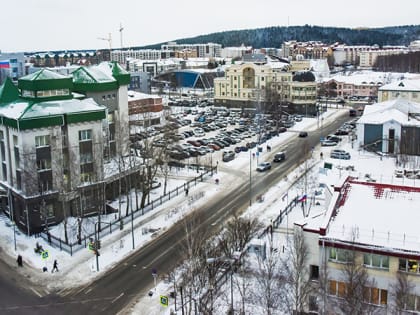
(209,50)
(307,50)
(359,228)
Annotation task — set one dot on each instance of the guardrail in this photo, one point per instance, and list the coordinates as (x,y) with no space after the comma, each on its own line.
(115,225)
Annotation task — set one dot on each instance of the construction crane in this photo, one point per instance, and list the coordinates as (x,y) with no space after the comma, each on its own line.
(121,34)
(109,40)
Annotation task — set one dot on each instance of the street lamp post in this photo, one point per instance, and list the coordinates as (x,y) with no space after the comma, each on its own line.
(250,182)
(96,247)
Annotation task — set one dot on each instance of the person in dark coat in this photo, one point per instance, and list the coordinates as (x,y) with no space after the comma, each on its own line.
(19,261)
(55,266)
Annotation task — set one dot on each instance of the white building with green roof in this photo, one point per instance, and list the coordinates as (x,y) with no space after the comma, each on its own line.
(51,150)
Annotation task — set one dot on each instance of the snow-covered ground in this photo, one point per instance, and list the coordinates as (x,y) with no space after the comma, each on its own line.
(81,267)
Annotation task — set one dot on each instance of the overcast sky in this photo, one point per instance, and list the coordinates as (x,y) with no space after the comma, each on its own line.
(28,25)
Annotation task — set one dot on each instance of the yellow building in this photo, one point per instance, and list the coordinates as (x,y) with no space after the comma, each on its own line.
(264,87)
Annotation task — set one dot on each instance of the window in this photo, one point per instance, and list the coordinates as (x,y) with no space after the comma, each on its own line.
(376,296)
(85,135)
(314,272)
(413,303)
(377,261)
(336,288)
(313,304)
(86,177)
(43,164)
(408,265)
(42,141)
(340,255)
(86,158)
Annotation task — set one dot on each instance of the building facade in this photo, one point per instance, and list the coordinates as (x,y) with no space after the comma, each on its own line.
(408,89)
(257,87)
(51,151)
(366,239)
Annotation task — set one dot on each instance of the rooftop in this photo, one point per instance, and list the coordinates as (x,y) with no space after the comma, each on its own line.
(368,215)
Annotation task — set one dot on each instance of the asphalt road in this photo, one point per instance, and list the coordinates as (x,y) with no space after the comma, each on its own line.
(132,277)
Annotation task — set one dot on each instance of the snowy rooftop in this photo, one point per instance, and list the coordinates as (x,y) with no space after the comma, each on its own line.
(371,210)
(397,110)
(403,85)
(370,77)
(134,95)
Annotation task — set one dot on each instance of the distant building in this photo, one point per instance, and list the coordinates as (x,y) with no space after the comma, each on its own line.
(360,228)
(309,50)
(209,50)
(406,88)
(12,65)
(144,110)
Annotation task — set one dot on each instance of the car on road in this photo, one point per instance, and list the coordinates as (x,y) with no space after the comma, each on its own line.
(263,166)
(279,156)
(303,134)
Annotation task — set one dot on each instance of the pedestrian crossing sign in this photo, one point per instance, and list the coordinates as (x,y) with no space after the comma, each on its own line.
(164,300)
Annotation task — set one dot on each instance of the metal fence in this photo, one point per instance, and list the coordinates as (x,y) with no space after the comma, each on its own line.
(110,227)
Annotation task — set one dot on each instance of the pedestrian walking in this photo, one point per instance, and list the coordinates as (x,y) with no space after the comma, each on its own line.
(186,191)
(55,266)
(19,261)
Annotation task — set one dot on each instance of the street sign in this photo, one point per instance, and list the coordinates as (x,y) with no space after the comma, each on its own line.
(164,300)
(44,254)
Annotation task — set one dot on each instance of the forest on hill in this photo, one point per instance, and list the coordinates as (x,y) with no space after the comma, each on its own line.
(274,36)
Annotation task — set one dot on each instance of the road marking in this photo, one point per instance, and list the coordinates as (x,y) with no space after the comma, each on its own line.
(36,292)
(90,289)
(117,298)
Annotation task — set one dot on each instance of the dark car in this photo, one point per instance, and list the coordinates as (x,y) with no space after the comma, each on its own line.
(280,156)
(303,134)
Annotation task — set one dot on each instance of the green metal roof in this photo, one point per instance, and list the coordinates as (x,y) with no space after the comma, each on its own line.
(103,77)
(8,92)
(45,79)
(23,114)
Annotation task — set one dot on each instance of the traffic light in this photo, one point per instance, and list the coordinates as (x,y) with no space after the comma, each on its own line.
(98,244)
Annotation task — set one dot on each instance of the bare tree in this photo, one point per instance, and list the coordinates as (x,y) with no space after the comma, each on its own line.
(402,291)
(357,282)
(268,276)
(237,234)
(297,286)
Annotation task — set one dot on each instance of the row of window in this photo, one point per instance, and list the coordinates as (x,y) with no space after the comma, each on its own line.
(371,295)
(109,96)
(369,260)
(44,140)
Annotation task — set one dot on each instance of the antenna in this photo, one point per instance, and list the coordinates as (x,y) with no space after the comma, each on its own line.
(109,40)
(121,34)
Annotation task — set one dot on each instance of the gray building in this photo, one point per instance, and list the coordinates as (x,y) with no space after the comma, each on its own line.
(12,65)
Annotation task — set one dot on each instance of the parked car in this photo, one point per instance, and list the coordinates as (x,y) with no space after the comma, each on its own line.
(279,156)
(333,138)
(228,156)
(328,143)
(263,166)
(340,154)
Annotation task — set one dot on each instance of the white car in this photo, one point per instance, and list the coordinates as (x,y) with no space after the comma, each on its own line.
(264,166)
